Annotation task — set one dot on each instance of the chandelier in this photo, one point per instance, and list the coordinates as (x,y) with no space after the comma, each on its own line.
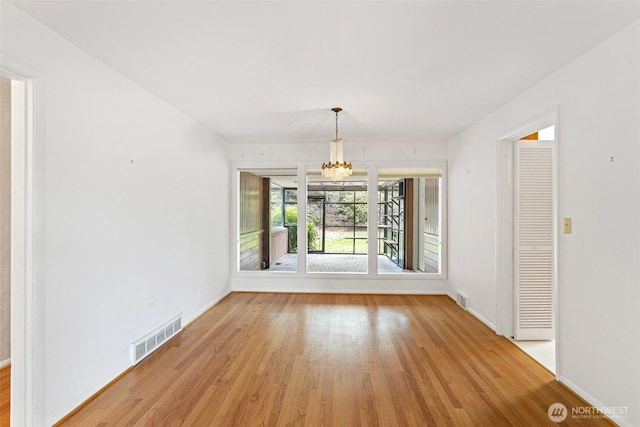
(337,168)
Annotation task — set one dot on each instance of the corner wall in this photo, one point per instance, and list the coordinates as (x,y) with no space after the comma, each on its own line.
(598,96)
(135,215)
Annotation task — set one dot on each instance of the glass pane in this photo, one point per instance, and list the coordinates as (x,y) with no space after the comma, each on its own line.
(292,247)
(276,206)
(347,196)
(290,195)
(361,215)
(410,246)
(337,215)
(291,215)
(361,246)
(339,240)
(432,225)
(315,228)
(333,196)
(261,195)
(291,224)
(344,246)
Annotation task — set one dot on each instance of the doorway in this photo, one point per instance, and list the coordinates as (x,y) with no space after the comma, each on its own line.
(525,303)
(27,302)
(533,239)
(534,321)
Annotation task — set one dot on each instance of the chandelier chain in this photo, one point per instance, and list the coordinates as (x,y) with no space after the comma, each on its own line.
(336,124)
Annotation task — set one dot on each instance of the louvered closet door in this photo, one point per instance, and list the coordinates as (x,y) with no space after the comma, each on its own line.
(534,241)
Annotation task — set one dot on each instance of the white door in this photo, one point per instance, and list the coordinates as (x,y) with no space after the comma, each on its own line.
(534,240)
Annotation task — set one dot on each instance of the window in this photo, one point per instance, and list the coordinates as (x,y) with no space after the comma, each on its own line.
(404,236)
(276,206)
(409,232)
(291,218)
(337,224)
(267,220)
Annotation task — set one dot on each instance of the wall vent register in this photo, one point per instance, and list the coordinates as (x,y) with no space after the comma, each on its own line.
(155,339)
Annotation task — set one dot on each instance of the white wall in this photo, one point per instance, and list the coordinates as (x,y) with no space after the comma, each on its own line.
(135,215)
(357,153)
(598,96)
(5,221)
(362,155)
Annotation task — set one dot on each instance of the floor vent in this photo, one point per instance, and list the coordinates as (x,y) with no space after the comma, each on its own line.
(152,341)
(462,300)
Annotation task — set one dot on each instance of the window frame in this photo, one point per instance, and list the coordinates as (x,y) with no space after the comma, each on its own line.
(372,181)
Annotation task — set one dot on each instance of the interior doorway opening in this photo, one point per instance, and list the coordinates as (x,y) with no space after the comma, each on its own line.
(534,329)
(27,300)
(519,289)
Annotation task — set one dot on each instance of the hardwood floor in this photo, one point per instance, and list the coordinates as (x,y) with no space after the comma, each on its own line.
(333,360)
(5,395)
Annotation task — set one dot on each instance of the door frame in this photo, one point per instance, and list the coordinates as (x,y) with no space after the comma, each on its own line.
(27,287)
(505,324)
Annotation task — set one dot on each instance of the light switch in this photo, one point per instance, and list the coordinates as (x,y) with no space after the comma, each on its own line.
(567,226)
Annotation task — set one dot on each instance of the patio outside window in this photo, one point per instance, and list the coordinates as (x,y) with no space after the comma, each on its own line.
(407,234)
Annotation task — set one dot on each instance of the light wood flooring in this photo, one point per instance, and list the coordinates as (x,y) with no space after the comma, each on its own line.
(333,360)
(5,395)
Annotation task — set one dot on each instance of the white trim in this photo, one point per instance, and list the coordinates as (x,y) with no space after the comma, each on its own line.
(342,275)
(330,284)
(5,363)
(356,291)
(542,121)
(590,399)
(301,192)
(372,218)
(204,309)
(444,221)
(481,318)
(418,223)
(504,239)
(475,314)
(27,286)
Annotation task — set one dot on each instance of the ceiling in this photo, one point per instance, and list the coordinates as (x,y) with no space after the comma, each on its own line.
(271,71)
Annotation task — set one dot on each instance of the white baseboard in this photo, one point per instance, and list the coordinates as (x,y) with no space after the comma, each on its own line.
(475,314)
(5,363)
(481,318)
(336,291)
(206,307)
(623,422)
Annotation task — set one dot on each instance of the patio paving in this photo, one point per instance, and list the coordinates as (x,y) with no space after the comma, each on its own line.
(336,263)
